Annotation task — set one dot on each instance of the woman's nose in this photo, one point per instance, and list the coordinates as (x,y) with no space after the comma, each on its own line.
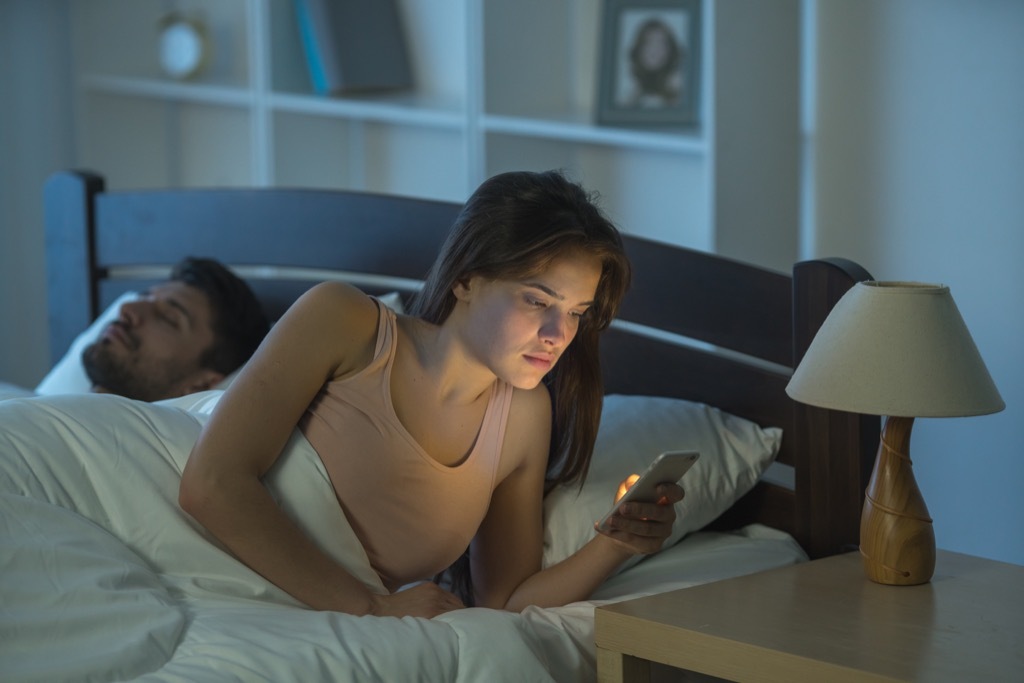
(554,329)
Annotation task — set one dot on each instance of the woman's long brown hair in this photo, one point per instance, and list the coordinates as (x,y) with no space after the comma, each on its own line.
(513,227)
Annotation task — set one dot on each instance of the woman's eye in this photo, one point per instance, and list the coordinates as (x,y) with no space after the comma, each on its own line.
(537,303)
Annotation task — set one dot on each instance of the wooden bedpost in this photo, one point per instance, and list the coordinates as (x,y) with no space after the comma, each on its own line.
(68,206)
(828,520)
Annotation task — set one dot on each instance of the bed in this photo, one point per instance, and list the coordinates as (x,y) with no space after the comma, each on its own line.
(699,358)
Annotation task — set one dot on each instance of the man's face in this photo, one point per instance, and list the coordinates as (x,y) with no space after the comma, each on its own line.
(153,350)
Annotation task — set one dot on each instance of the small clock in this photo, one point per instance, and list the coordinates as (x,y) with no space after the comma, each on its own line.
(184,48)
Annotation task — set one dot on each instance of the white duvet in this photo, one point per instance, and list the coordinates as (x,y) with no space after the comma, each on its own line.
(103,578)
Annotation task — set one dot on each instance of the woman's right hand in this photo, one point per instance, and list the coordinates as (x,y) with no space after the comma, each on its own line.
(425,600)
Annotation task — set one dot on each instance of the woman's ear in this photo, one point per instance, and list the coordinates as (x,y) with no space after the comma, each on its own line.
(462,289)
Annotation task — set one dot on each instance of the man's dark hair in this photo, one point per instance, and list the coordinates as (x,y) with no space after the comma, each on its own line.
(239,322)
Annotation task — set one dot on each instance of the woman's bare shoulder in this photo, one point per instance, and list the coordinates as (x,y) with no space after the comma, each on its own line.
(529,419)
(333,321)
(333,305)
(337,295)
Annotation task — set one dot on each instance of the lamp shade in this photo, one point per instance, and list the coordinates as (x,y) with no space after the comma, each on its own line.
(896,349)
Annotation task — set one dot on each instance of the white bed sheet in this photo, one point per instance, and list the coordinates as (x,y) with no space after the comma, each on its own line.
(104,578)
(8,390)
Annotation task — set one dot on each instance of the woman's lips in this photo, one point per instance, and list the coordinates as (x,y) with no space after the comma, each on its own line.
(541,362)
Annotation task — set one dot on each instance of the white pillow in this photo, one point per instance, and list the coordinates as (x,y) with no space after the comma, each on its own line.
(734,452)
(68,376)
(393,300)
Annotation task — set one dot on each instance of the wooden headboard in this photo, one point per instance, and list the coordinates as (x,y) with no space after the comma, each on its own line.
(694,325)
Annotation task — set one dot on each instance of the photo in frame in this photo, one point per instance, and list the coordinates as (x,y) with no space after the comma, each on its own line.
(650,63)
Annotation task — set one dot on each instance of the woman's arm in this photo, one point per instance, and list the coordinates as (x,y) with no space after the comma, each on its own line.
(642,529)
(506,553)
(329,332)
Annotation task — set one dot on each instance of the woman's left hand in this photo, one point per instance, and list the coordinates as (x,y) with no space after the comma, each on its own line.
(641,528)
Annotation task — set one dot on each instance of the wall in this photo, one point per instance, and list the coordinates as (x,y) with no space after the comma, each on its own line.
(35,140)
(918,149)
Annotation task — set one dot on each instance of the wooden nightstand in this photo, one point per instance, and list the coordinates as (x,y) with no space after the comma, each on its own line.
(824,621)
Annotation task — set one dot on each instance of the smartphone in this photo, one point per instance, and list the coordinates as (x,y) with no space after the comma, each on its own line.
(667,467)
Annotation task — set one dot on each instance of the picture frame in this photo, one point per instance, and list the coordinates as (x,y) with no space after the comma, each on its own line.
(650,63)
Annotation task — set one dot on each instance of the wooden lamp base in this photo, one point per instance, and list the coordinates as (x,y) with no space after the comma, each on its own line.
(897,540)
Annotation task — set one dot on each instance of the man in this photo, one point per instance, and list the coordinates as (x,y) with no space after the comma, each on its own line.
(181,336)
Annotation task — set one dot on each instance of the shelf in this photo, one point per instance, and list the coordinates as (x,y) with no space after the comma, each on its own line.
(577,129)
(407,110)
(486,101)
(399,109)
(167,90)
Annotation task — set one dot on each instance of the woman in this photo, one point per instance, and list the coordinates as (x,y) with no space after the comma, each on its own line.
(436,429)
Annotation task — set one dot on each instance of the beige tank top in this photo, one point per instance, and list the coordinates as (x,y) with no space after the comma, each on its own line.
(413,515)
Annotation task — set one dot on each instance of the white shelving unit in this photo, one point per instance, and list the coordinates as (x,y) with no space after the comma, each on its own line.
(501,85)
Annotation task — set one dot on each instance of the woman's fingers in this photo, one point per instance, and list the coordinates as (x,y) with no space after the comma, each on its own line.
(643,527)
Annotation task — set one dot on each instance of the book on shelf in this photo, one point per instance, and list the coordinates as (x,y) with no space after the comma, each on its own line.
(353,45)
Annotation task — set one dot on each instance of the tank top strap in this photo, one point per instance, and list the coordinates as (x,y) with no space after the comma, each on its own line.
(387,332)
(495,424)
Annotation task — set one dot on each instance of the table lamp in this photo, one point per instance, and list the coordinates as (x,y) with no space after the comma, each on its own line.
(901,350)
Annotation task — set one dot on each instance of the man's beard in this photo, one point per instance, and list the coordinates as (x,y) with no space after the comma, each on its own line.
(113,374)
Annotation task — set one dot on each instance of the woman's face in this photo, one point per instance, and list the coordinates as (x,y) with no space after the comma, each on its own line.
(519,329)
